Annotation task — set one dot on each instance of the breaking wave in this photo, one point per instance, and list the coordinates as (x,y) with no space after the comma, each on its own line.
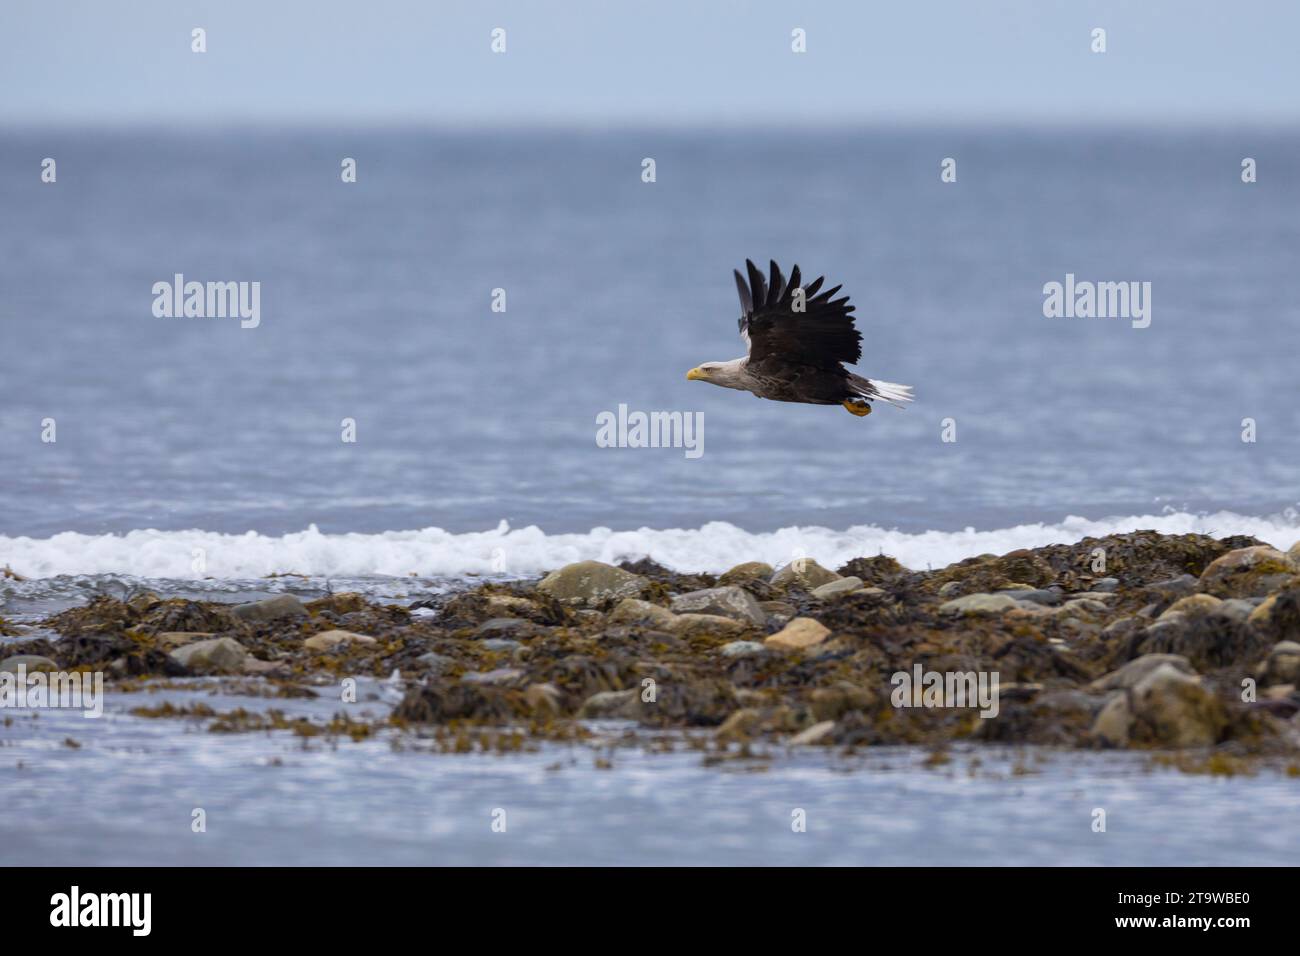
(430,552)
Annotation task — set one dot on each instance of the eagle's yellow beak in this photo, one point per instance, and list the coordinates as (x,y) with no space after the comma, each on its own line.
(696,374)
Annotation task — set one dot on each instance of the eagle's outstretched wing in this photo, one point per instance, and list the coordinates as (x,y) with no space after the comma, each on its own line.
(821,335)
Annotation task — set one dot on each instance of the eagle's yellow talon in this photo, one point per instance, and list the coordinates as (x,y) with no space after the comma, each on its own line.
(857,407)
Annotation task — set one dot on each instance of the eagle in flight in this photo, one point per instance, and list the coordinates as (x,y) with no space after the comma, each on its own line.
(799,341)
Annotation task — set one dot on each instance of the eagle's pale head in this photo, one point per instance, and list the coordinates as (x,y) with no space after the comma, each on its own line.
(726,374)
(701,373)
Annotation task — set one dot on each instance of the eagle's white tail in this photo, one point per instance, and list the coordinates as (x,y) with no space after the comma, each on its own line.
(890,392)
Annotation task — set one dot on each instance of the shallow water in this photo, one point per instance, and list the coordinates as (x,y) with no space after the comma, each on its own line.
(30,601)
(127,793)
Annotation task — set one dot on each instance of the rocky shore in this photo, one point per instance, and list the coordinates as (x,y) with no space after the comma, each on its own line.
(1184,645)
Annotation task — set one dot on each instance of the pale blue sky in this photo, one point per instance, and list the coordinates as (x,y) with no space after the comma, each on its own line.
(659,61)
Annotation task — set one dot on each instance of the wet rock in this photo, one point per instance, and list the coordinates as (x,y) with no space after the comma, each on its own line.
(1174,709)
(434,662)
(1247,572)
(1058,718)
(222,655)
(1106,584)
(741,649)
(1083,606)
(439,703)
(472,608)
(633,611)
(172,639)
(1131,673)
(819,733)
(33,645)
(749,571)
(103,615)
(750,698)
(1015,691)
(32,663)
(877,594)
(804,572)
(544,699)
(1208,641)
(143,601)
(1280,701)
(1282,666)
(1023,569)
(1026,657)
(1236,610)
(732,602)
(778,612)
(1114,724)
(96,650)
(1192,604)
(691,702)
(741,724)
(1166,708)
(707,625)
(640,635)
(1139,557)
(501,675)
(1076,627)
(980,604)
(1048,597)
(345,602)
(799,634)
(333,640)
(592,582)
(500,644)
(263,668)
(272,609)
(878,571)
(1278,616)
(842,697)
(507,628)
(180,615)
(1121,629)
(672,581)
(837,588)
(511,605)
(761,589)
(1174,588)
(624,704)
(373,620)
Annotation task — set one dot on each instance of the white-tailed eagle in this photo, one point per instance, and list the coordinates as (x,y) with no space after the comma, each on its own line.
(799,341)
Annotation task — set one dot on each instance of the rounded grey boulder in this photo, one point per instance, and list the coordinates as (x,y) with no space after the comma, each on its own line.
(592,582)
(272,609)
(221,655)
(733,602)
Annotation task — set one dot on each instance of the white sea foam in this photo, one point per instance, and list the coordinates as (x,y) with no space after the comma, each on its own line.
(524,551)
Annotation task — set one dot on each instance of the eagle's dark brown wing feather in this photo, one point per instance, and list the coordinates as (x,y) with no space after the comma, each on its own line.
(821,336)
